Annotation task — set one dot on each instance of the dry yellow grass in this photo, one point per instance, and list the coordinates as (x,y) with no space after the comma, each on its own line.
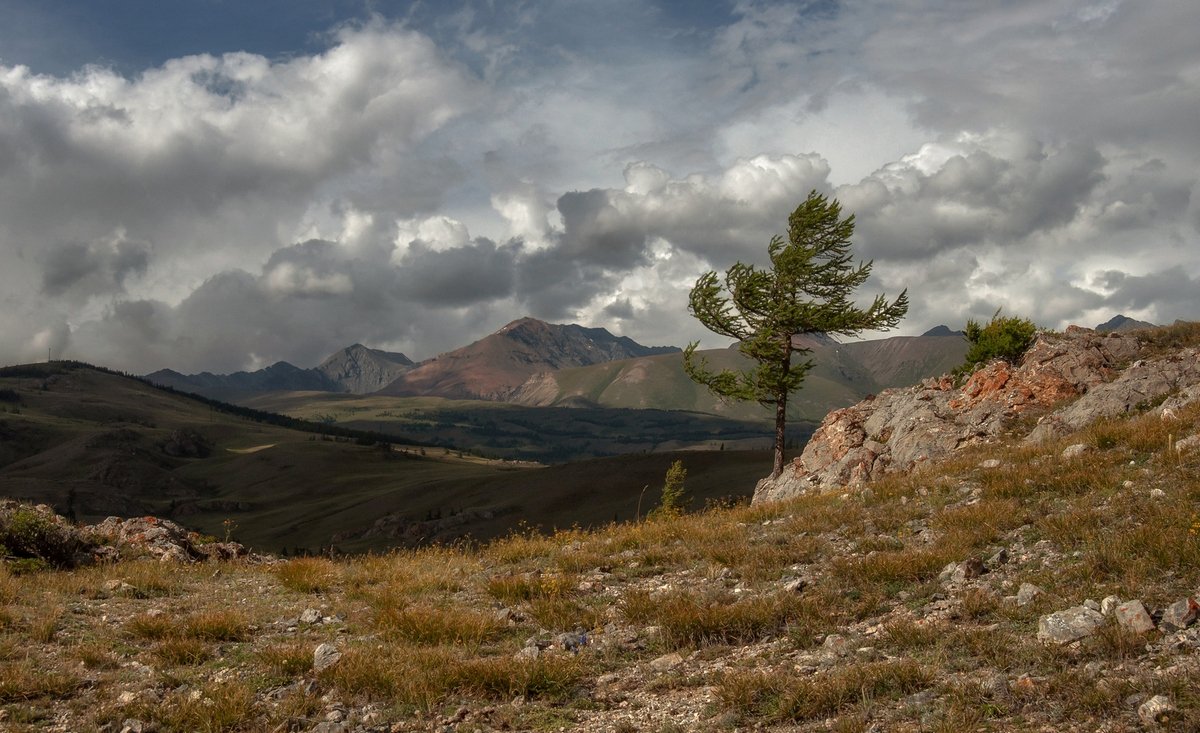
(423,633)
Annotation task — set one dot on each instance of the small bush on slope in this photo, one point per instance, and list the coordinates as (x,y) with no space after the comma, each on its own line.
(1003,337)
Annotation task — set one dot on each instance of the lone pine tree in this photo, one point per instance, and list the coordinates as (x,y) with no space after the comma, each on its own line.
(807,290)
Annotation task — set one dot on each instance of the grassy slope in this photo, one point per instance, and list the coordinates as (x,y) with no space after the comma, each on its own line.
(874,641)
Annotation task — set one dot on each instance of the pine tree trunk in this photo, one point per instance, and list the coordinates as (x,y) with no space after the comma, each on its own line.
(780,432)
(781,409)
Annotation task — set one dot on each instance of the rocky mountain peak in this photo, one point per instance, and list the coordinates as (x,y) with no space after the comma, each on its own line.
(1122,324)
(361,370)
(496,366)
(942,330)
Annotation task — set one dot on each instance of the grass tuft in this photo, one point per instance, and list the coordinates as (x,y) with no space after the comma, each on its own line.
(307,574)
(783,696)
(695,619)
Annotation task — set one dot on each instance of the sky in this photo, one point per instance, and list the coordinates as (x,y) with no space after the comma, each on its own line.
(218,185)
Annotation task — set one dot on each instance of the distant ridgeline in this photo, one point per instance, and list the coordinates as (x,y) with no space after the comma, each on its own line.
(45,370)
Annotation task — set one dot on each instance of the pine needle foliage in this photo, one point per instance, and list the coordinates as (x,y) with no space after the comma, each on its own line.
(808,289)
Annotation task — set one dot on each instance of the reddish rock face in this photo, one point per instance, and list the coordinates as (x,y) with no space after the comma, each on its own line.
(902,428)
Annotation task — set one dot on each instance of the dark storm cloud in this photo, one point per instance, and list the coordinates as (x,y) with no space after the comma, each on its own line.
(1173,288)
(596,232)
(477,272)
(98,267)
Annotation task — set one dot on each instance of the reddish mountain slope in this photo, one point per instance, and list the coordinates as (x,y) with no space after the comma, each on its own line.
(496,365)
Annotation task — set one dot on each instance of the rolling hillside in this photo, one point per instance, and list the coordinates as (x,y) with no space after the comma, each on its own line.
(93,443)
(842,375)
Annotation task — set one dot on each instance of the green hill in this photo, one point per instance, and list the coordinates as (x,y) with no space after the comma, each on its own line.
(842,375)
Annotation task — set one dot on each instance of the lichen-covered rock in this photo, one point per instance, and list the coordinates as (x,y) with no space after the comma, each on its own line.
(163,539)
(903,428)
(1133,616)
(1180,615)
(1157,711)
(1070,625)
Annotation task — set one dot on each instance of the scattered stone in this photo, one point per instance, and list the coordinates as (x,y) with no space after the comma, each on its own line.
(325,656)
(1027,593)
(796,585)
(998,559)
(994,685)
(133,725)
(1157,711)
(1189,443)
(1157,494)
(666,662)
(963,571)
(1132,616)
(1070,625)
(509,616)
(528,652)
(1108,605)
(572,641)
(990,463)
(310,616)
(1074,451)
(119,588)
(836,645)
(1179,615)
(1092,604)
(920,699)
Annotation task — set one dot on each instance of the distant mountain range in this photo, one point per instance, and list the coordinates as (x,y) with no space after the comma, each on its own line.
(355,369)
(491,368)
(842,375)
(534,363)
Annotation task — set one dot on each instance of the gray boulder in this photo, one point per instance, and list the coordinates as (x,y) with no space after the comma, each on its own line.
(1070,625)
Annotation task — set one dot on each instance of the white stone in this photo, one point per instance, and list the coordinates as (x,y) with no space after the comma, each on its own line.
(1075,450)
(1157,711)
(325,656)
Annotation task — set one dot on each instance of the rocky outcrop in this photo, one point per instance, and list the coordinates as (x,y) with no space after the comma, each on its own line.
(1143,383)
(36,532)
(902,428)
(161,539)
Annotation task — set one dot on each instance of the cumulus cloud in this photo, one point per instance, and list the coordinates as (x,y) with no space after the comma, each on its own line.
(415,185)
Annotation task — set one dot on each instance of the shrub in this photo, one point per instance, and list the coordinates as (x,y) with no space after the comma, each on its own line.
(26,532)
(671,503)
(1003,337)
